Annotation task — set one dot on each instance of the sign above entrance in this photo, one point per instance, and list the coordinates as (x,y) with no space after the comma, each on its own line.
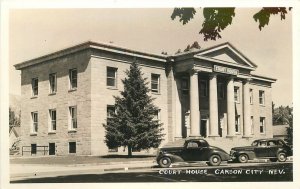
(226,70)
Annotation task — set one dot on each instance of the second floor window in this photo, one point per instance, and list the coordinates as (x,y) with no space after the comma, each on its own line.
(73,117)
(52,83)
(111,79)
(157,115)
(73,78)
(251,95)
(155,83)
(236,94)
(52,114)
(203,88)
(262,97)
(34,118)
(185,86)
(221,93)
(35,86)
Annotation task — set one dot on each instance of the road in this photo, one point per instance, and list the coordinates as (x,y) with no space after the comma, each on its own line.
(258,172)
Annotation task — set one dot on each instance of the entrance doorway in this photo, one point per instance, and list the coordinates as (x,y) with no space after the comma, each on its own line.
(203,128)
(51,148)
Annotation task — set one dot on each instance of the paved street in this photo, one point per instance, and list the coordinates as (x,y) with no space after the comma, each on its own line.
(234,172)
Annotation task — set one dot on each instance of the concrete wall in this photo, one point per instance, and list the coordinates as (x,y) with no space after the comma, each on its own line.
(59,101)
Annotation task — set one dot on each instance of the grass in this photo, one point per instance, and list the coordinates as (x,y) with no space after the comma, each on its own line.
(69,160)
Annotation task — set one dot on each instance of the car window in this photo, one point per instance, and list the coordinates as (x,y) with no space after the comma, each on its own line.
(262,143)
(280,143)
(271,143)
(192,145)
(255,143)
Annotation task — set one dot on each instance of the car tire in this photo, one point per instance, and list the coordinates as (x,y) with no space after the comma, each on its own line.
(281,156)
(273,159)
(215,160)
(164,162)
(243,158)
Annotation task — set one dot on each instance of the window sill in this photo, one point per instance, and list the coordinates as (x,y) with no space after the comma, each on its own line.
(51,94)
(72,90)
(262,105)
(33,97)
(33,134)
(237,102)
(51,132)
(237,133)
(72,131)
(155,93)
(112,88)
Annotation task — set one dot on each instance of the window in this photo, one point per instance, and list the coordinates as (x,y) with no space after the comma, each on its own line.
(185,86)
(34,117)
(52,83)
(155,83)
(262,97)
(251,96)
(35,86)
(157,115)
(73,117)
(111,79)
(52,114)
(236,94)
(192,144)
(72,147)
(203,88)
(252,125)
(73,79)
(262,125)
(221,92)
(52,149)
(237,124)
(110,110)
(33,149)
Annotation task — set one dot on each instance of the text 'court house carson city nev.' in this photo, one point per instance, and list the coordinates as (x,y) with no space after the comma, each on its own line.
(211,93)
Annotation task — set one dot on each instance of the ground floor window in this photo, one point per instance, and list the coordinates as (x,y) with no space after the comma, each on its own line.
(51,148)
(237,124)
(262,125)
(33,149)
(72,147)
(252,125)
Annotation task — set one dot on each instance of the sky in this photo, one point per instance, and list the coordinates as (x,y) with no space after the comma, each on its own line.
(36,32)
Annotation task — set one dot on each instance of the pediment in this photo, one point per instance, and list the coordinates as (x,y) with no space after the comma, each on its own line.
(226,53)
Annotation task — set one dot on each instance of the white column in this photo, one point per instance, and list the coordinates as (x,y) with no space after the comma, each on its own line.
(213,106)
(230,108)
(246,106)
(194,105)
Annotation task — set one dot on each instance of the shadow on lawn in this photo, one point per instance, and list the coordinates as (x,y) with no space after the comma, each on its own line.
(126,156)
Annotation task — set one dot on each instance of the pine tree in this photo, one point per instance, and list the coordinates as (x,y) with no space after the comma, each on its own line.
(132,124)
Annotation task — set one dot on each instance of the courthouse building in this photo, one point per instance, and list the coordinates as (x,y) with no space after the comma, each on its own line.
(211,93)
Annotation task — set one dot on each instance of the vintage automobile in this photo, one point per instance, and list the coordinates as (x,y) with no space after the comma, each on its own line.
(273,149)
(190,150)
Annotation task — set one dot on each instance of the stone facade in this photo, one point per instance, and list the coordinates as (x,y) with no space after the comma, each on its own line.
(185,109)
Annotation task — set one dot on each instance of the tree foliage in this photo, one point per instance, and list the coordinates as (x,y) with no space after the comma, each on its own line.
(281,115)
(14,118)
(217,19)
(132,124)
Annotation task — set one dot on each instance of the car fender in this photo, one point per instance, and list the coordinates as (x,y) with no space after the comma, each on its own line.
(250,154)
(224,156)
(174,158)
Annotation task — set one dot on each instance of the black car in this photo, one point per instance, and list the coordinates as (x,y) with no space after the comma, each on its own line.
(190,150)
(273,149)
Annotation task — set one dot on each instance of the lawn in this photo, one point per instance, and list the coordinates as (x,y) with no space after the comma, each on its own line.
(69,160)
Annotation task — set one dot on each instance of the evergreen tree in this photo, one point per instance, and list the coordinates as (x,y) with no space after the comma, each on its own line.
(195,45)
(187,48)
(132,124)
(289,138)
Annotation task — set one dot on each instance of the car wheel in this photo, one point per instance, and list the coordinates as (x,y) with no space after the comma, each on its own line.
(243,158)
(273,159)
(281,156)
(215,160)
(164,162)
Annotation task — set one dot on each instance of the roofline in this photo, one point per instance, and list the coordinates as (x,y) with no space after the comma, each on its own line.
(234,48)
(263,78)
(89,45)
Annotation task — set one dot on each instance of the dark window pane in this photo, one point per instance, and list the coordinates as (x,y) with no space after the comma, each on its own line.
(33,148)
(72,147)
(110,82)
(111,72)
